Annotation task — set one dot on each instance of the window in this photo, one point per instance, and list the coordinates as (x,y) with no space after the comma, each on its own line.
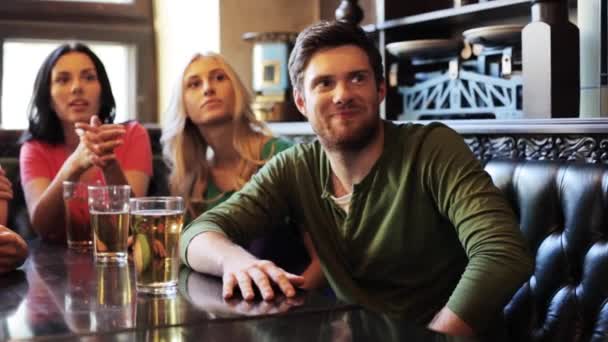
(120,32)
(17,83)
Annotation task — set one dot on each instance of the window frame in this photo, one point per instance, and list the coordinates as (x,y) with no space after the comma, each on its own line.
(139,10)
(78,21)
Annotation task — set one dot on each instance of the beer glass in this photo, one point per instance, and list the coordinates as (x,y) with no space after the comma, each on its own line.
(77,223)
(156,224)
(109,211)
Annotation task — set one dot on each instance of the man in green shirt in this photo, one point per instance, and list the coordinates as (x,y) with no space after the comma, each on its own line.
(403,217)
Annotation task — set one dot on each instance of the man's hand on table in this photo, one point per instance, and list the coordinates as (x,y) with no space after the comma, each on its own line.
(213,253)
(259,273)
(206,293)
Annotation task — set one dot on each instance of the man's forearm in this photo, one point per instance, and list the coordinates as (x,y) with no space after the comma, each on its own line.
(209,251)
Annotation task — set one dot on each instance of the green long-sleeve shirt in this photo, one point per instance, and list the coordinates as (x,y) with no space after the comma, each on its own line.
(425,227)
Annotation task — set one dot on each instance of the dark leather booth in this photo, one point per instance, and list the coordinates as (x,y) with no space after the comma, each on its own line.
(563,213)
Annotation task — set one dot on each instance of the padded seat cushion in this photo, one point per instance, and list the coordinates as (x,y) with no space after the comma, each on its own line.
(563,215)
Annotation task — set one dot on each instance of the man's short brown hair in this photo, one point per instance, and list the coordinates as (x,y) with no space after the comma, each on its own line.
(326,35)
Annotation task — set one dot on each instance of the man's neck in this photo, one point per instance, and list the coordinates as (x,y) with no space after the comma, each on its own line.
(350,167)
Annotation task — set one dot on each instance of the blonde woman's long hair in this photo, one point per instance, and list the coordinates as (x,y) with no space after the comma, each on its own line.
(185,150)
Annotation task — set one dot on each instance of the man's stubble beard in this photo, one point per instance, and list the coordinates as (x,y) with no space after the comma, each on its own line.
(361,138)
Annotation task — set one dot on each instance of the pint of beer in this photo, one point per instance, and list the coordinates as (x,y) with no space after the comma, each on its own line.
(109,210)
(77,222)
(156,225)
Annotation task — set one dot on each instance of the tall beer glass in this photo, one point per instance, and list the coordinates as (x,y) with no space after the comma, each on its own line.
(109,210)
(77,222)
(156,224)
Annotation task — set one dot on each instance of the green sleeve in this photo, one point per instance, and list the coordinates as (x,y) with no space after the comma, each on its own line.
(499,261)
(250,212)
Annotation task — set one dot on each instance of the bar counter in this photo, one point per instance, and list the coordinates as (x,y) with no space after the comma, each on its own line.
(59,294)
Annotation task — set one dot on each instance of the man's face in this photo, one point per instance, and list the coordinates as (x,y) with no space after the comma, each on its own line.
(340,97)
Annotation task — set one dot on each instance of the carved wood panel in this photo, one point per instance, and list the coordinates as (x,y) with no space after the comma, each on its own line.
(579,148)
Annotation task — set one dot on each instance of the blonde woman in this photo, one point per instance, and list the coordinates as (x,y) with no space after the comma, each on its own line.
(213,144)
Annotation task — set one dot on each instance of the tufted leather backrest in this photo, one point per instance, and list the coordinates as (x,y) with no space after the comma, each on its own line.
(563,215)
